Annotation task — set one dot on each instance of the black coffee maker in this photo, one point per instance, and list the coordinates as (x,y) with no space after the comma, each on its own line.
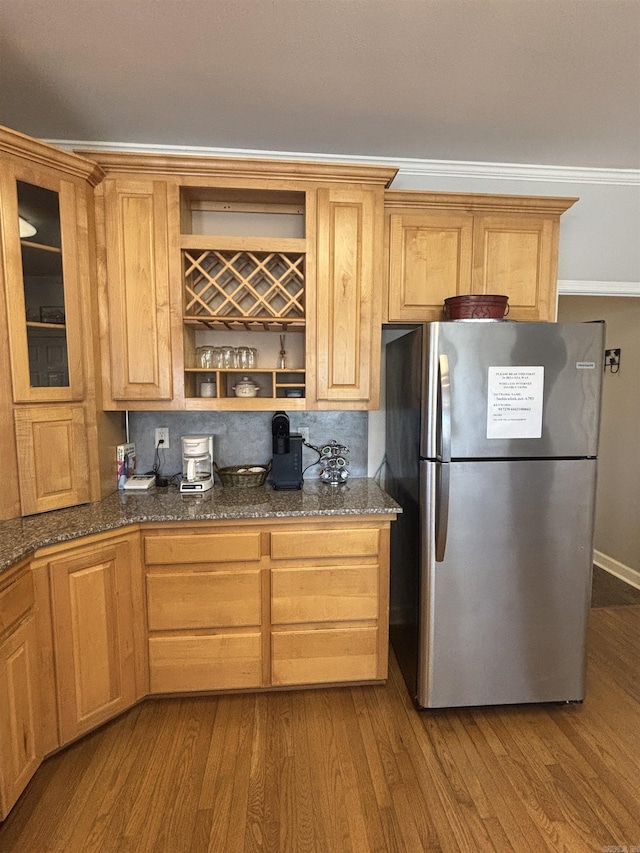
(286,465)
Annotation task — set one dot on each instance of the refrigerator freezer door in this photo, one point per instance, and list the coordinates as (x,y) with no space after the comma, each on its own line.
(515,390)
(503,616)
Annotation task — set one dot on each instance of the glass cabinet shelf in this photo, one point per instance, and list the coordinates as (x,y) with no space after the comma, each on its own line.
(43,286)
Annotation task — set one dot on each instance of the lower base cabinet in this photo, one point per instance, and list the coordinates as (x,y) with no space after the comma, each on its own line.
(324,655)
(90,627)
(206,662)
(328,605)
(204,608)
(294,604)
(92,591)
(20,748)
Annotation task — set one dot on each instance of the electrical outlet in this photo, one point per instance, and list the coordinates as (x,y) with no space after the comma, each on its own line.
(162,435)
(304,432)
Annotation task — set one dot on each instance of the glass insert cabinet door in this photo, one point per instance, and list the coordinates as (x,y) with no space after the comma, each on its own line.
(40,213)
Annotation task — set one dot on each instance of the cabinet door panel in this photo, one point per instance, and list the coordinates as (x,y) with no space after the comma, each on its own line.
(317,656)
(20,752)
(301,544)
(203,600)
(52,457)
(93,635)
(324,594)
(215,662)
(430,260)
(138,289)
(15,601)
(348,303)
(514,256)
(202,548)
(43,285)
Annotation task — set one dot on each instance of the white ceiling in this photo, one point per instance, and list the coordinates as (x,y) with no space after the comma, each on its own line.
(549,82)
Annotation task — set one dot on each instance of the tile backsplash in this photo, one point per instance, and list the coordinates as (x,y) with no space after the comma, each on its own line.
(245,437)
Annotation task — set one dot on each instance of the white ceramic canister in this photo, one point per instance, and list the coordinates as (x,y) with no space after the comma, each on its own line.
(207,388)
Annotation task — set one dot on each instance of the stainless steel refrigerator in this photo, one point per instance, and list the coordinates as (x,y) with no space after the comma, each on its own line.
(491,445)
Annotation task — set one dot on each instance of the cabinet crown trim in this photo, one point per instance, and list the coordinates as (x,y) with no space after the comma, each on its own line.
(247,168)
(42,154)
(396,200)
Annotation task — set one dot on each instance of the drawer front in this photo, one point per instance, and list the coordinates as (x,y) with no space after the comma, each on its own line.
(324,656)
(324,594)
(15,601)
(202,548)
(220,662)
(203,600)
(340,544)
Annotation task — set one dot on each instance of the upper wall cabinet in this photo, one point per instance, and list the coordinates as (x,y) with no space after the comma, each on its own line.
(219,270)
(44,221)
(137,289)
(349,259)
(48,346)
(51,443)
(450,244)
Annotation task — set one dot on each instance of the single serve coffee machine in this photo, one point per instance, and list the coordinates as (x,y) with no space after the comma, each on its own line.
(286,465)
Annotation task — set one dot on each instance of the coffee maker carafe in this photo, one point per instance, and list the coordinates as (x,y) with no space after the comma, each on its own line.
(286,465)
(197,464)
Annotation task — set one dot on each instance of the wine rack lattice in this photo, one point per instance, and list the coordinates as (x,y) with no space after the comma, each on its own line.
(243,284)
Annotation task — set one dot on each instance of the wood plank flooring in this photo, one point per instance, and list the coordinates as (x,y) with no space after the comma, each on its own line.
(353,770)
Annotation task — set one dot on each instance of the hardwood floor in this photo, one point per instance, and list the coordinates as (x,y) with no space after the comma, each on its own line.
(353,769)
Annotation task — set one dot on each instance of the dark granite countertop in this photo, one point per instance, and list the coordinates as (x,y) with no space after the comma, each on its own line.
(20,537)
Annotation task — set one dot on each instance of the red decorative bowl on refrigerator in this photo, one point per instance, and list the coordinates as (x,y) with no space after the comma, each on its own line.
(476,306)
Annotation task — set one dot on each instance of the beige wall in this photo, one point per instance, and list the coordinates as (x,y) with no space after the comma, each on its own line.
(618,496)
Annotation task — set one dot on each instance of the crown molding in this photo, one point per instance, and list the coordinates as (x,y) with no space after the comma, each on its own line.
(406,166)
(519,172)
(44,154)
(598,288)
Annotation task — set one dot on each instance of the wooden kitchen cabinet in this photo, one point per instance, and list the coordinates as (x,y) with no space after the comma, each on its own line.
(294,603)
(51,443)
(205,609)
(134,280)
(451,244)
(329,603)
(43,281)
(96,612)
(21,748)
(348,297)
(214,252)
(49,348)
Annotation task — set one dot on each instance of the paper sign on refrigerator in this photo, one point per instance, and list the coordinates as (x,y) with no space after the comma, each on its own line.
(514,402)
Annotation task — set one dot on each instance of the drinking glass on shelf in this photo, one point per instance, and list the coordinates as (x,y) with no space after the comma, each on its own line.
(245,359)
(204,357)
(217,357)
(254,356)
(228,357)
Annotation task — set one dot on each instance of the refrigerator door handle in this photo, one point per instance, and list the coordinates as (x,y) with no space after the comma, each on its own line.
(443,481)
(444,407)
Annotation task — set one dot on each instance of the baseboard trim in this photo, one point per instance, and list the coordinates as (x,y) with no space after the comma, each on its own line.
(618,569)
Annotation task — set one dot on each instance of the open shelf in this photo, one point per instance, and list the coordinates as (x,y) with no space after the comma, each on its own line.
(243,263)
(275,384)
